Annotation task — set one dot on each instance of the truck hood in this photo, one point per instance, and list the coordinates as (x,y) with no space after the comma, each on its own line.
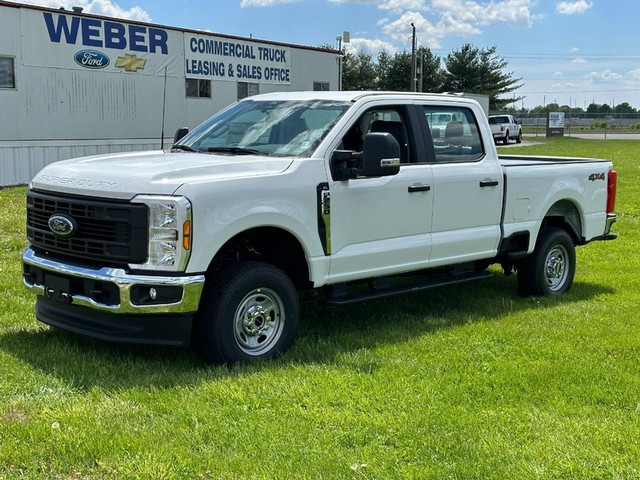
(124,175)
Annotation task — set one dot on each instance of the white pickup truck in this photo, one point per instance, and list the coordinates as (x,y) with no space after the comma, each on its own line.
(505,128)
(285,192)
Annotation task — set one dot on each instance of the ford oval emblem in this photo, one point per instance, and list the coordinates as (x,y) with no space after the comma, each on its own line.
(91,59)
(62,225)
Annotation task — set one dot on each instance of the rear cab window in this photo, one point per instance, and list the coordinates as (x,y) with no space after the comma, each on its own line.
(455,134)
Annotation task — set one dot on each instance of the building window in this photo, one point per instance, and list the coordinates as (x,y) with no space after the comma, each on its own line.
(246,89)
(7,72)
(321,86)
(198,88)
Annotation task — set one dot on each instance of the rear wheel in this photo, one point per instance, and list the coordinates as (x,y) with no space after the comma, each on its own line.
(506,137)
(550,269)
(250,311)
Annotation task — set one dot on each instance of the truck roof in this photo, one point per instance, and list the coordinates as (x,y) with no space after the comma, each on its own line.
(352,96)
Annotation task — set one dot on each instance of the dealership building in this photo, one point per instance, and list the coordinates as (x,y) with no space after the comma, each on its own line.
(75,84)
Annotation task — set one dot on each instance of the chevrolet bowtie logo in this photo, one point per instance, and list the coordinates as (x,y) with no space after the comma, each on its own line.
(130,63)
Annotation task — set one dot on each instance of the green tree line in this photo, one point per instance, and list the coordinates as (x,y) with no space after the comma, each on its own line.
(468,70)
(596,109)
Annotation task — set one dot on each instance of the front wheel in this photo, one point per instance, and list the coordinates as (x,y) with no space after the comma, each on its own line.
(519,137)
(249,311)
(549,270)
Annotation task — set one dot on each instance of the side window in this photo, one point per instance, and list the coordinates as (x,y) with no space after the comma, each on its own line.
(455,134)
(380,119)
(246,89)
(198,88)
(7,72)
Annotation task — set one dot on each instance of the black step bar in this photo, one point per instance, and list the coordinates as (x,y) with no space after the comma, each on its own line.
(341,297)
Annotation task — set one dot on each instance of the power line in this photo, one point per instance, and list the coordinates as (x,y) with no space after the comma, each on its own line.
(559,92)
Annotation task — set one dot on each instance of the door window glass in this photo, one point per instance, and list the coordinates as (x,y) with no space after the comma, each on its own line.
(455,134)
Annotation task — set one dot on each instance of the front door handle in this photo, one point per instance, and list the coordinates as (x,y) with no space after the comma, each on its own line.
(489,183)
(419,187)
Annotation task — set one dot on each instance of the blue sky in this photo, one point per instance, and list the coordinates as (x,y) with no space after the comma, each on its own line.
(575,51)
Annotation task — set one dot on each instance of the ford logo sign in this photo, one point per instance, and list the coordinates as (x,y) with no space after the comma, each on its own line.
(62,225)
(91,59)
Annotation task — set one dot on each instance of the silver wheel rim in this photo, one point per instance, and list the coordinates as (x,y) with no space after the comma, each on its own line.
(259,321)
(556,270)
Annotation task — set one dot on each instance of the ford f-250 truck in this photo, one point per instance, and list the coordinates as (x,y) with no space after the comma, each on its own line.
(504,128)
(211,241)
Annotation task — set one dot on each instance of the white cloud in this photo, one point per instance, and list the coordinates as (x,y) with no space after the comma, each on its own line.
(372,46)
(571,8)
(516,13)
(401,31)
(402,5)
(447,18)
(98,7)
(264,3)
(604,76)
(578,60)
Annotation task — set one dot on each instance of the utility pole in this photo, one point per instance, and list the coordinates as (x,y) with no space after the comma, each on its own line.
(413,58)
(420,84)
(346,36)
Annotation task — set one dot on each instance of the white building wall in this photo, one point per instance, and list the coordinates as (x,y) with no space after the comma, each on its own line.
(60,109)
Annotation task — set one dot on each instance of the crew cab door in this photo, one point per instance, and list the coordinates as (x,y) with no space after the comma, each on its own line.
(467,187)
(380,225)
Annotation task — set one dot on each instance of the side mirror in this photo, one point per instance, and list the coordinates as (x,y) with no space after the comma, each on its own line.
(180,134)
(380,155)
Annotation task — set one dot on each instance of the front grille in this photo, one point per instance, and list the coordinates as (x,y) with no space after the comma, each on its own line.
(107,231)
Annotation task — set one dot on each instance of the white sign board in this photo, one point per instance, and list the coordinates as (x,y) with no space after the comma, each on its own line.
(221,58)
(556,119)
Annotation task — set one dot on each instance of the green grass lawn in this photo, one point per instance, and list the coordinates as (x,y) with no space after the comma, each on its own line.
(467,382)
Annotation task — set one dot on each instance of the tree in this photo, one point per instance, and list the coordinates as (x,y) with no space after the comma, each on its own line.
(358,72)
(382,69)
(475,70)
(394,73)
(624,107)
(431,77)
(599,109)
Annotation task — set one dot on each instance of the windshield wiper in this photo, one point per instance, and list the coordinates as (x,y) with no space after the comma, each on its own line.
(235,150)
(183,148)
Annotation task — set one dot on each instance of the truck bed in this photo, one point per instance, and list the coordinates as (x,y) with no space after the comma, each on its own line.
(536,185)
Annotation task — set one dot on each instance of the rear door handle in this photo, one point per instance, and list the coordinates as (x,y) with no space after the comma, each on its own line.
(419,187)
(489,183)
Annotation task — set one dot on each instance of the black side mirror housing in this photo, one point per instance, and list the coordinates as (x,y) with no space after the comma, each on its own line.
(180,134)
(380,155)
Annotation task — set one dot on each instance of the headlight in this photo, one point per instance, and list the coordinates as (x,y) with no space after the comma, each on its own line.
(169,232)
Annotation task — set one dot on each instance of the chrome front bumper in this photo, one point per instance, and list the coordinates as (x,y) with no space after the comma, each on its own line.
(71,284)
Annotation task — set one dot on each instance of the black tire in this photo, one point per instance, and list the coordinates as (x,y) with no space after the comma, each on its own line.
(519,137)
(506,138)
(249,311)
(549,270)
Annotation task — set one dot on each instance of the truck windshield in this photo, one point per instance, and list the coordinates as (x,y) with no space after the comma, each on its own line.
(278,128)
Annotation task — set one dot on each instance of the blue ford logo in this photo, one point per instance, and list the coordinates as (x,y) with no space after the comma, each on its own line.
(91,59)
(62,225)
